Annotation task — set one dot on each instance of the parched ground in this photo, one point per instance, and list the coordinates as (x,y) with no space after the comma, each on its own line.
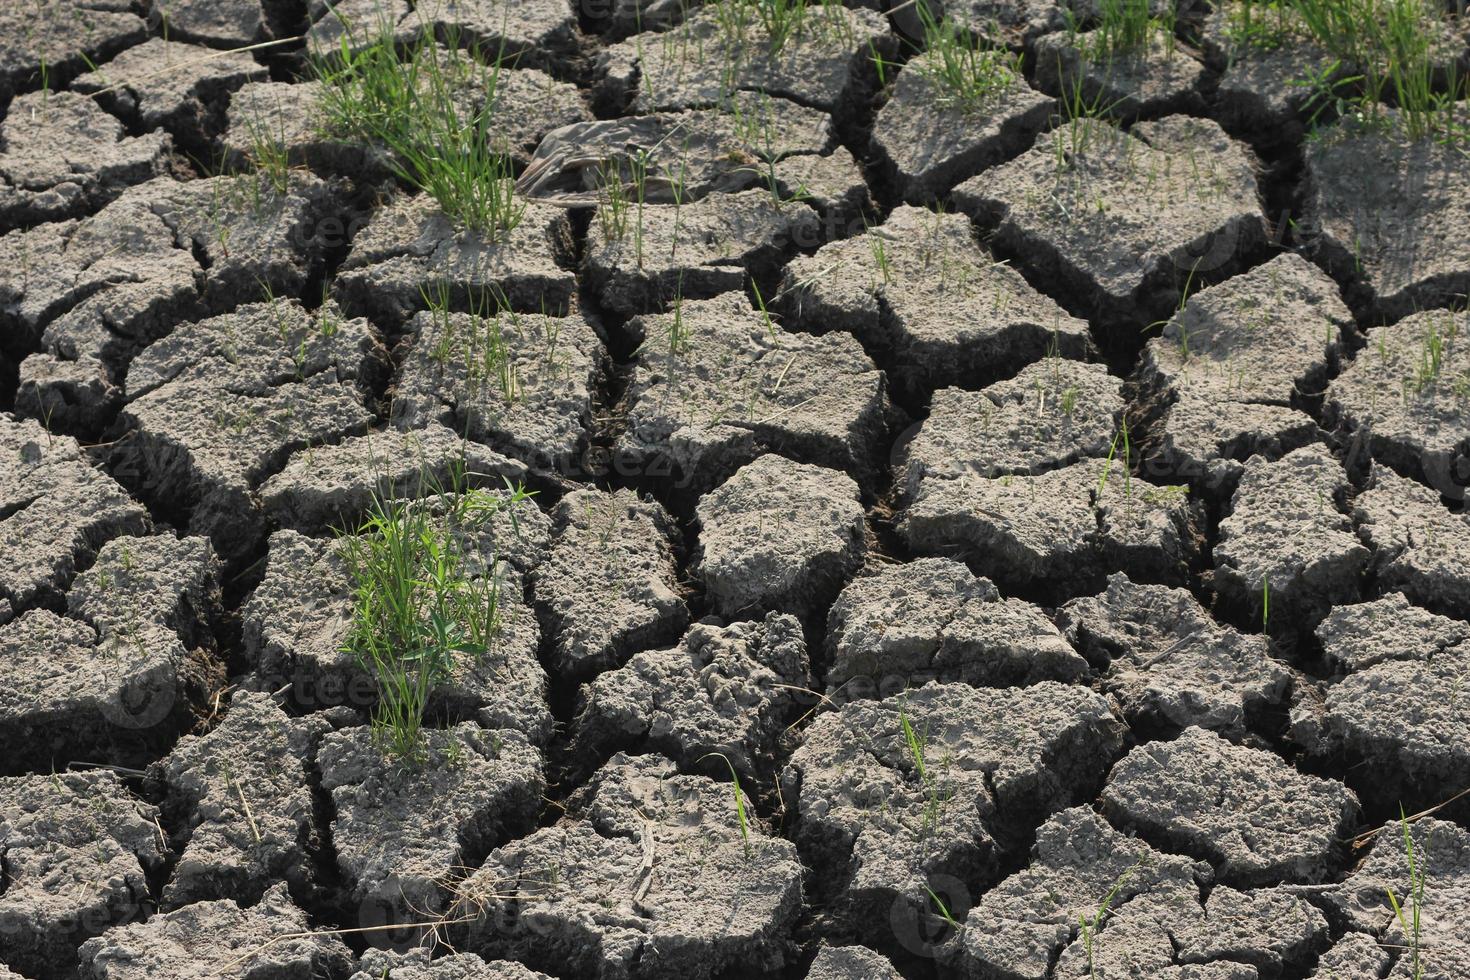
(931,539)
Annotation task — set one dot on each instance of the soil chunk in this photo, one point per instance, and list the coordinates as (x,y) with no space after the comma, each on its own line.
(850,963)
(1254,818)
(271,938)
(242,795)
(609,588)
(1419,546)
(1404,396)
(291,115)
(1374,198)
(1442,857)
(934,785)
(521,382)
(47,45)
(664,253)
(656,878)
(401,832)
(65,157)
(1232,372)
(58,509)
(715,384)
(297,625)
(117,677)
(1050,415)
(779,535)
(219,405)
(78,848)
(824,63)
(1285,551)
(323,488)
(1157,925)
(170,85)
(416,964)
(1060,530)
(729,690)
(162,253)
(931,145)
(530,33)
(1119,217)
(1157,78)
(410,249)
(1168,662)
(919,290)
(1400,724)
(220,23)
(1261,68)
(1356,637)
(933,619)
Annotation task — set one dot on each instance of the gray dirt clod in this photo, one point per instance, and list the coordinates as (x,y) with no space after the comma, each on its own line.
(750,140)
(1155,79)
(1404,398)
(416,964)
(220,23)
(1061,530)
(658,880)
(1012,23)
(932,145)
(825,63)
(938,784)
(610,585)
(1374,198)
(58,510)
(241,794)
(297,625)
(1356,954)
(1155,923)
(1232,370)
(1401,723)
(1123,218)
(402,832)
(1286,554)
(779,535)
(530,33)
(47,44)
(730,690)
(78,848)
(291,116)
(171,85)
(1052,414)
(919,289)
(323,488)
(220,405)
(716,383)
(65,157)
(850,963)
(1167,661)
(1244,810)
(409,246)
(164,252)
(1358,636)
(1420,547)
(118,676)
(933,619)
(650,256)
(272,938)
(521,382)
(1259,90)
(1442,858)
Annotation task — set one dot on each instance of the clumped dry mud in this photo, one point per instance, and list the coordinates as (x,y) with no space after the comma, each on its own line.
(1058,530)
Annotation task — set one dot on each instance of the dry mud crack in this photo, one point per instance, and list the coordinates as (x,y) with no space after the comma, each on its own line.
(741,490)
